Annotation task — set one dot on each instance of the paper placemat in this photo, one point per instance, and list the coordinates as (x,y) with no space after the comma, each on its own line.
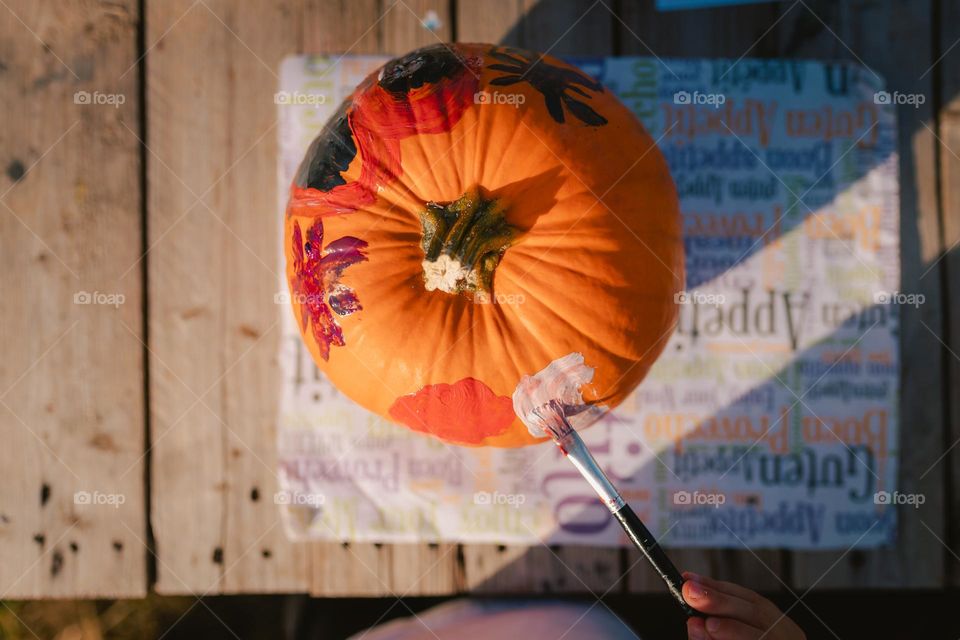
(771,420)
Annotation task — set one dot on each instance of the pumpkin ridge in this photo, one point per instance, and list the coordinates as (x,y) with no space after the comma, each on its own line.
(582,323)
(535,331)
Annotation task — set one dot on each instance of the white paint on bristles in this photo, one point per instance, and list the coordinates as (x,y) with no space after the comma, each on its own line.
(557,385)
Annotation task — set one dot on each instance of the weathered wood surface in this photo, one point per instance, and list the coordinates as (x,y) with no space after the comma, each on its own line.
(213,268)
(211,148)
(71,375)
(72,222)
(878,34)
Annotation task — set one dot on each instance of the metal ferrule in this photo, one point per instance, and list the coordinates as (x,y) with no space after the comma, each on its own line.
(581,458)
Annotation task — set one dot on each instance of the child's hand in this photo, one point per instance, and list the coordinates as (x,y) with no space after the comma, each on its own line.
(736,613)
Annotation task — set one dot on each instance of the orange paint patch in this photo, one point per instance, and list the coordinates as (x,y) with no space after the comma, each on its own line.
(465,412)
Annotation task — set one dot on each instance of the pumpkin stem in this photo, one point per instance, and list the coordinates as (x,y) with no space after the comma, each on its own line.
(463,242)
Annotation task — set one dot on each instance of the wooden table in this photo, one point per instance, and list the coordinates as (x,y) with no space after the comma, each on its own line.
(169,399)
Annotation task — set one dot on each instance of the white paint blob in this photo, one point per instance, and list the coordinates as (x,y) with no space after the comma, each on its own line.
(560,381)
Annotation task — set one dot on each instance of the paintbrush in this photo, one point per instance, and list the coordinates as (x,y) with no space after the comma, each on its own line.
(551,417)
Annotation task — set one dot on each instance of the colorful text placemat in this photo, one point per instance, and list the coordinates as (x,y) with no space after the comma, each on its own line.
(770,420)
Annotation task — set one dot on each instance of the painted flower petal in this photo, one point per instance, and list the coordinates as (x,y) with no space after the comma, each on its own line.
(315,283)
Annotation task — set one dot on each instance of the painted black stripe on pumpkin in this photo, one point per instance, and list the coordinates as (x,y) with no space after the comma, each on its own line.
(428,65)
(563,89)
(330,153)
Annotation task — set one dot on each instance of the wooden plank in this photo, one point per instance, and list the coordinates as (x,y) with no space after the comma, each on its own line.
(72,513)
(949,266)
(566,27)
(950,269)
(405,25)
(702,33)
(502,569)
(491,21)
(879,33)
(388,27)
(213,272)
(366,569)
(579,27)
(557,27)
(342,26)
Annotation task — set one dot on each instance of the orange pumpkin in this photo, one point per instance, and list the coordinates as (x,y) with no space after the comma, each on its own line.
(471,214)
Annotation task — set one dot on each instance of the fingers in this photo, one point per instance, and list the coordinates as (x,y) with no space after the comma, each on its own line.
(726,587)
(696,629)
(727,629)
(717,603)
(730,600)
(721,629)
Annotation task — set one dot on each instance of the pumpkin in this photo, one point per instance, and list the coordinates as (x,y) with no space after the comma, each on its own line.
(471,214)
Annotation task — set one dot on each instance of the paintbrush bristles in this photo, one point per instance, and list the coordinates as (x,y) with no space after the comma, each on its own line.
(553,420)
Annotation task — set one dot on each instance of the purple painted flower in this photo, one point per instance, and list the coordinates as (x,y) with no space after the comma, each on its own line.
(318,292)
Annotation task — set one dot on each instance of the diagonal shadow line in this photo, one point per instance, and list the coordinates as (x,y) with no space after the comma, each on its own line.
(805,393)
(627,426)
(839,39)
(783,15)
(639,39)
(557,41)
(799,199)
(800,400)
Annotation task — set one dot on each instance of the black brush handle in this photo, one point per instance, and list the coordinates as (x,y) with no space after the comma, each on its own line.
(644,540)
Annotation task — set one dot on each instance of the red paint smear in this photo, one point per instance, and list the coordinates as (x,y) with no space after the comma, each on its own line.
(379,120)
(465,412)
